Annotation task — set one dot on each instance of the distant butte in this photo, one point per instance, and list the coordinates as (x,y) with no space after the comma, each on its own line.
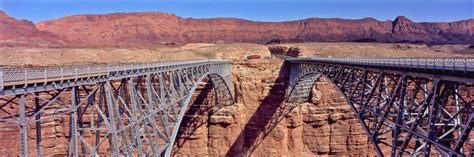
(152,28)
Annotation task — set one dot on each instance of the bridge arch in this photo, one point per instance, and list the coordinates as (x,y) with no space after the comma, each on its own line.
(174,90)
(224,97)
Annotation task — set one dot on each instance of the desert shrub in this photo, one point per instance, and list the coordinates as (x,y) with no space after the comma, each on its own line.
(293,52)
(278,50)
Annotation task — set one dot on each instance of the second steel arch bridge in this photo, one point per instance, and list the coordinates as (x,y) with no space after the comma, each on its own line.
(406,106)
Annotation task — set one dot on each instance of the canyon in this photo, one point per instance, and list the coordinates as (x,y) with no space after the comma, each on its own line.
(260,123)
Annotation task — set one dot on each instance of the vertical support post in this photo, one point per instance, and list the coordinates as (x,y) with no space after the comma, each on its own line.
(38,126)
(45,76)
(464,135)
(174,93)
(99,118)
(72,149)
(115,151)
(90,100)
(399,121)
(362,92)
(76,73)
(121,92)
(351,86)
(359,115)
(458,109)
(386,107)
(1,80)
(416,123)
(425,89)
(136,129)
(23,129)
(150,109)
(163,100)
(432,118)
(62,74)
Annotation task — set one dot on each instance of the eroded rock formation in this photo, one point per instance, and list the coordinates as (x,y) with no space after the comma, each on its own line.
(153,28)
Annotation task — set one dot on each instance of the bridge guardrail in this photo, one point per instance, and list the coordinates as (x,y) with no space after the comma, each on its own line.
(12,76)
(445,64)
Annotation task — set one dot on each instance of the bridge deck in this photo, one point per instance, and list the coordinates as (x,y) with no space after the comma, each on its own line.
(465,65)
(14,81)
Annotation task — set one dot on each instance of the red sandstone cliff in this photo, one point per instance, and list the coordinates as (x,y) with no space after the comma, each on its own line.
(24,33)
(137,29)
(150,28)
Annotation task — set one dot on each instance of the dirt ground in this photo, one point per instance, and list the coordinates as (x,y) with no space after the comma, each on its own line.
(66,56)
(69,56)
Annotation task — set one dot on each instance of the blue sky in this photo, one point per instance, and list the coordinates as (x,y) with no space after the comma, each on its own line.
(262,10)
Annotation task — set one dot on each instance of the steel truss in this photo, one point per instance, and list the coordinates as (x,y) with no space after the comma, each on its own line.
(133,115)
(403,112)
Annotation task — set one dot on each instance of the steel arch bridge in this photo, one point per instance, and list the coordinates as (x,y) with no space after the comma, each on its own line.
(121,109)
(406,106)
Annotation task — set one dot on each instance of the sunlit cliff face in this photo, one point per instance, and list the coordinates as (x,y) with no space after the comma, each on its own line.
(154,28)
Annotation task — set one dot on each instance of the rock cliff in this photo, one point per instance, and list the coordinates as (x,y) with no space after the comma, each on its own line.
(24,33)
(151,28)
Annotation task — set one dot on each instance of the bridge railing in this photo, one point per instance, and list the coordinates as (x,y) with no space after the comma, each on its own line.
(445,64)
(15,76)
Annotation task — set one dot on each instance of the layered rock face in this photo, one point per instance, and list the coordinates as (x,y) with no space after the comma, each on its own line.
(261,124)
(153,28)
(24,33)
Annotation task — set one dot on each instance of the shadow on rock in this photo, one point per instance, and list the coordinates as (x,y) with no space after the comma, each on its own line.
(269,113)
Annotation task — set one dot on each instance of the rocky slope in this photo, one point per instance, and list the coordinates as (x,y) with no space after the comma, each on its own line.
(24,33)
(151,28)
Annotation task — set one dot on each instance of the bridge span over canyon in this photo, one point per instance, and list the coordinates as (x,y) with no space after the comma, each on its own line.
(406,106)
